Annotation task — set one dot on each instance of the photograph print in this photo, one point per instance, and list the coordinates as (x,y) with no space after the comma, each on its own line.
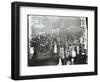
(57,40)
(53,40)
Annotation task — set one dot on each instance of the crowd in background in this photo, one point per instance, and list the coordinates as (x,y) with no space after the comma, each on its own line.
(70,52)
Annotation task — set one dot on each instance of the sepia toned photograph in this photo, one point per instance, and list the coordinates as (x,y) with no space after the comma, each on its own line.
(57,40)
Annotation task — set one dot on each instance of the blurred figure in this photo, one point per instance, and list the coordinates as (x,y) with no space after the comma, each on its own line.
(77,49)
(83,56)
(68,57)
(70,53)
(60,62)
(31,52)
(73,55)
(61,54)
(55,47)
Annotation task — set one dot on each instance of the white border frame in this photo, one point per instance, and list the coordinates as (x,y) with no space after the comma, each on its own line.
(25,70)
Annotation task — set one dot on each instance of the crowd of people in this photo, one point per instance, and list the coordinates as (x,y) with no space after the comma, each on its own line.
(70,52)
